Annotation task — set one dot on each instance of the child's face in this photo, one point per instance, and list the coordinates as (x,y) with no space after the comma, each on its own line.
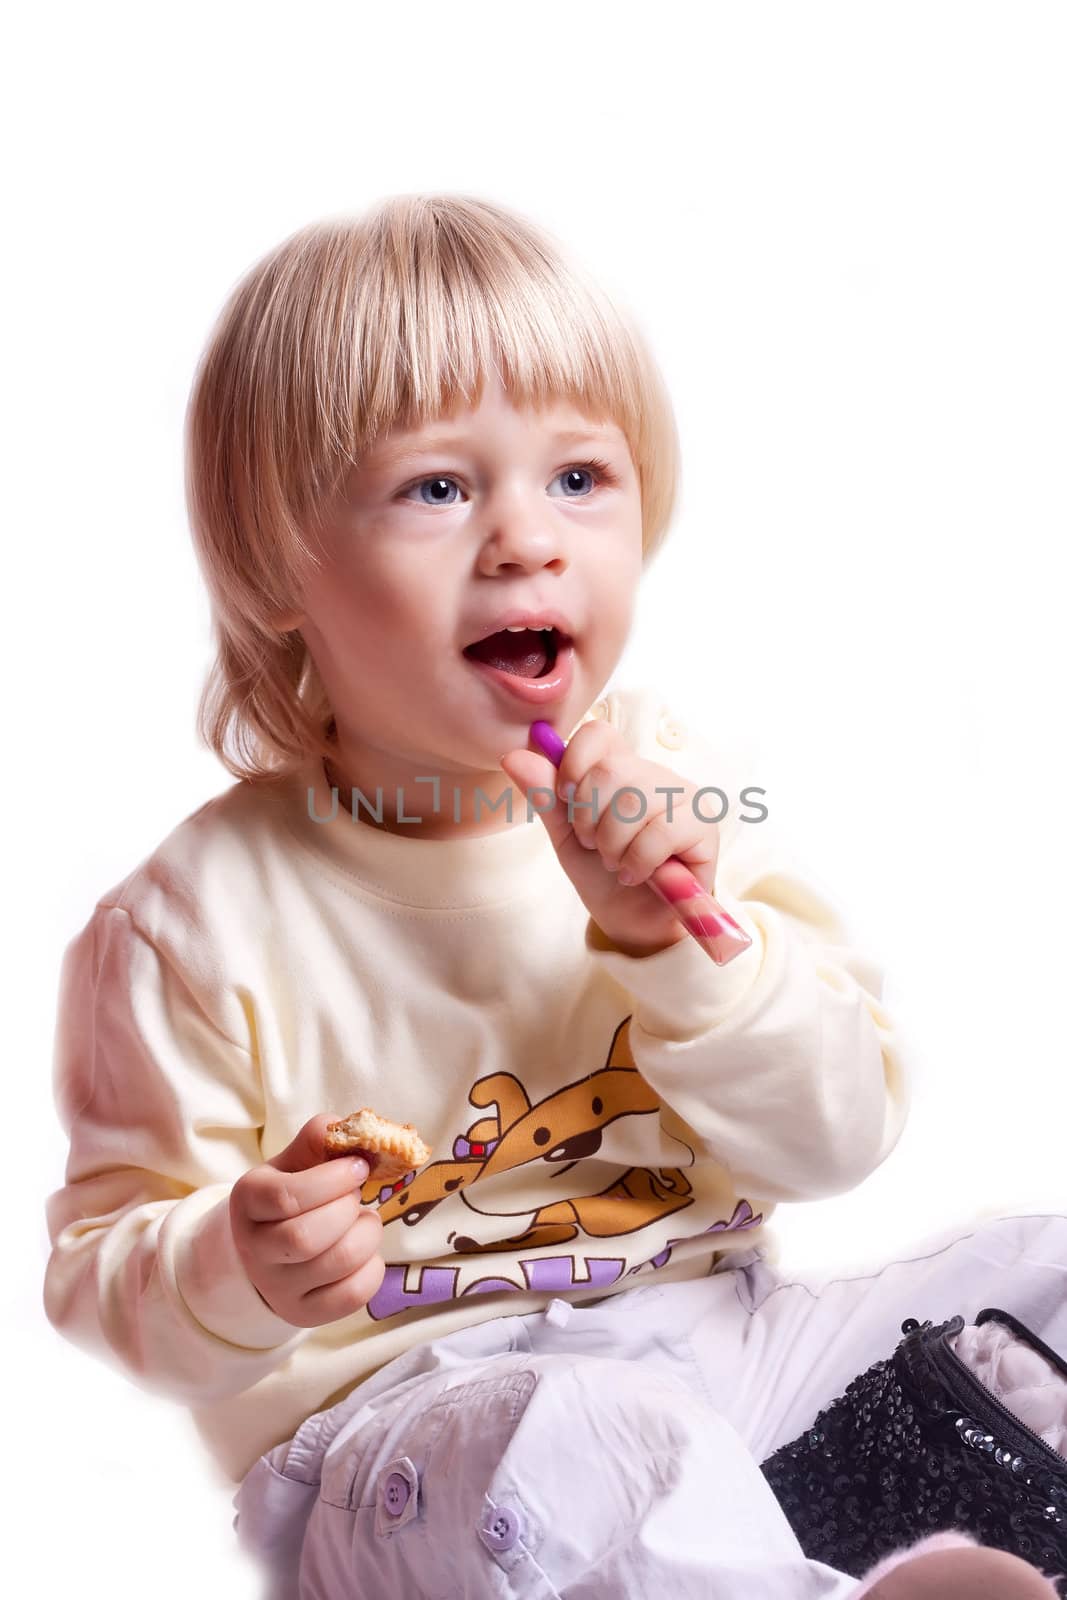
(443,530)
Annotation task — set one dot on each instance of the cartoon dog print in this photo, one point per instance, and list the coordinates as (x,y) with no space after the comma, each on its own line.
(563,1131)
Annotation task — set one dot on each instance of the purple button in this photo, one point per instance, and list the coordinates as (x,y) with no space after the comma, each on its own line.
(397,1493)
(397,1497)
(501,1527)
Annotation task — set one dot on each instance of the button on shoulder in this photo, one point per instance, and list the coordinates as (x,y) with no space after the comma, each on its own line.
(671,733)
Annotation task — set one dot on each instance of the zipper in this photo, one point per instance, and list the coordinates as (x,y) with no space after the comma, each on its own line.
(1021,1437)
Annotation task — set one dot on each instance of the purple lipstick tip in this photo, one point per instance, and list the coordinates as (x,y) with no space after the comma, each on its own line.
(548,741)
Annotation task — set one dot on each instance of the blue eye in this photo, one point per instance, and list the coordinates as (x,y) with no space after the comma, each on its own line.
(436,482)
(597,468)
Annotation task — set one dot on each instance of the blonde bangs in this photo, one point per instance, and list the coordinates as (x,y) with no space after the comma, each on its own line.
(348,329)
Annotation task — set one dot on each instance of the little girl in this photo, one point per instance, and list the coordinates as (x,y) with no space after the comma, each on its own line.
(428,464)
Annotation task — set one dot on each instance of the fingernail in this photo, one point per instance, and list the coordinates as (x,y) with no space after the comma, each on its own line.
(360,1169)
(625,878)
(567,791)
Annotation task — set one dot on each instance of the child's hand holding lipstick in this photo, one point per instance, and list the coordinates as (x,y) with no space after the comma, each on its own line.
(596,853)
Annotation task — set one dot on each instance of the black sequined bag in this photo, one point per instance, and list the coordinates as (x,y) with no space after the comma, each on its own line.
(919,1445)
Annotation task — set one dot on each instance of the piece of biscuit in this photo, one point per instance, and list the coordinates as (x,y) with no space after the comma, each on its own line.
(391,1148)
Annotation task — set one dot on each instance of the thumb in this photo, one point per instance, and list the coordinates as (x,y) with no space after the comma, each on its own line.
(535,778)
(307,1149)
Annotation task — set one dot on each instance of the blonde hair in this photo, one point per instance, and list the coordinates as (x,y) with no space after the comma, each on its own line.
(348,328)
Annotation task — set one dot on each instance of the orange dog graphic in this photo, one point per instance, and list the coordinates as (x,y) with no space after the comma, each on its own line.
(566,1131)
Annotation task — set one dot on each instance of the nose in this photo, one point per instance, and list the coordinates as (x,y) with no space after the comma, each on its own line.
(521,534)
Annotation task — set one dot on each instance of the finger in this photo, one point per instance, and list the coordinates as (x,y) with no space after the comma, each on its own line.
(271,1196)
(661,840)
(534,777)
(630,811)
(342,1299)
(343,1256)
(307,1149)
(594,742)
(297,1240)
(591,806)
(529,771)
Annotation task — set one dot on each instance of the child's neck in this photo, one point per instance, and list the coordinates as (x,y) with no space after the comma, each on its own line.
(443,825)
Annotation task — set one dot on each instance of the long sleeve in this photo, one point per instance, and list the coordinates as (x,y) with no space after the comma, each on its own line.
(784,1064)
(163,1112)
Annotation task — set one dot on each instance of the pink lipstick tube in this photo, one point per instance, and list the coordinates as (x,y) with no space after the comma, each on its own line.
(699,912)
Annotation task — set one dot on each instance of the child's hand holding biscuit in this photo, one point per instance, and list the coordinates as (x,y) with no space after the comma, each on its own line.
(304,1237)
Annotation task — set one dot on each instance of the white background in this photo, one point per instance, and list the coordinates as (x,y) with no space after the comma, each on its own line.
(842,228)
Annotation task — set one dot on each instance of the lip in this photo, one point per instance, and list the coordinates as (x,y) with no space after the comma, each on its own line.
(519,617)
(533,691)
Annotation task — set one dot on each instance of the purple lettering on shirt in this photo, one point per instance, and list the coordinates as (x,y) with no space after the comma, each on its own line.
(435,1284)
(552,1274)
(543,1275)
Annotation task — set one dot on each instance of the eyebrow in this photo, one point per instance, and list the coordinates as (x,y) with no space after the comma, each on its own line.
(401,450)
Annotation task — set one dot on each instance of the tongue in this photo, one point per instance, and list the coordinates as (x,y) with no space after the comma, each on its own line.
(521,653)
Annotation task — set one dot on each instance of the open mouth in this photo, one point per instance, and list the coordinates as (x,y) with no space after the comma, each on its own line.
(528,653)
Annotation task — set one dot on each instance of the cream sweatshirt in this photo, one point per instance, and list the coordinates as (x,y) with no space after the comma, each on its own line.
(596,1119)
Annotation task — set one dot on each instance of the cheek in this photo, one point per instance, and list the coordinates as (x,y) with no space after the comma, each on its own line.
(618,595)
(389,635)
(622,560)
(403,597)
(359,610)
